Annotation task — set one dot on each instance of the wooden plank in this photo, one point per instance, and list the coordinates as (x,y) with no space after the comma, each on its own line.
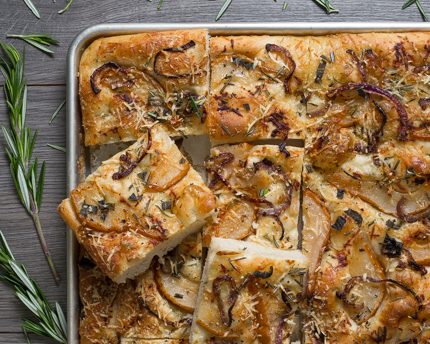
(18,338)
(17,225)
(46,70)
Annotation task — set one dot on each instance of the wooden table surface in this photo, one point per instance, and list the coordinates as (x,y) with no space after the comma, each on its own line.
(46,80)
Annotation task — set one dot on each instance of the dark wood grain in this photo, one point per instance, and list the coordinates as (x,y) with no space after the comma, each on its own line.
(46,75)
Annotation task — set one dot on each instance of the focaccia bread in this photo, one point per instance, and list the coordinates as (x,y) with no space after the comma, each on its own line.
(128,83)
(140,203)
(374,87)
(257,87)
(367,282)
(248,294)
(114,314)
(258,190)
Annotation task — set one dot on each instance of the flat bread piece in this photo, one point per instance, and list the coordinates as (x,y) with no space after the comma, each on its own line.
(258,190)
(257,87)
(367,282)
(114,314)
(248,294)
(140,203)
(374,86)
(127,83)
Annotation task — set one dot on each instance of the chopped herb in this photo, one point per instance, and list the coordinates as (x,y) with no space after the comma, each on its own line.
(147,61)
(283,150)
(61,149)
(182,161)
(135,198)
(238,61)
(241,258)
(340,193)
(297,271)
(320,71)
(398,298)
(332,57)
(65,8)
(285,6)
(224,101)
(246,106)
(226,129)
(349,175)
(391,247)
(230,261)
(393,224)
(151,93)
(355,216)
(226,84)
(162,211)
(371,223)
(159,4)
(397,164)
(309,168)
(147,205)
(340,222)
(249,132)
(88,209)
(166,205)
(270,77)
(275,242)
(179,296)
(325,58)
(263,192)
(195,108)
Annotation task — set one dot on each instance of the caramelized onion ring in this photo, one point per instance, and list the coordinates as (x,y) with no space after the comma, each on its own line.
(423,102)
(353,280)
(403,115)
(234,294)
(125,173)
(290,62)
(181,49)
(96,73)
(359,64)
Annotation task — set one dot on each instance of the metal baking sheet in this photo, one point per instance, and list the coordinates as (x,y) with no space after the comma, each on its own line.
(79,157)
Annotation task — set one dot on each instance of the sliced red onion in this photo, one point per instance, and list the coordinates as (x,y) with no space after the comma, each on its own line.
(122,174)
(410,218)
(181,49)
(359,64)
(107,66)
(403,115)
(234,294)
(290,62)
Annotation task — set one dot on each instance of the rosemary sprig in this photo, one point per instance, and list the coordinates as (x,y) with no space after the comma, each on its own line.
(32,8)
(223,9)
(20,142)
(38,41)
(51,323)
(327,6)
(65,8)
(417,2)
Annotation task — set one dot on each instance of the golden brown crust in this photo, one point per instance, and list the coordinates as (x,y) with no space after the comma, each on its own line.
(123,221)
(248,97)
(121,92)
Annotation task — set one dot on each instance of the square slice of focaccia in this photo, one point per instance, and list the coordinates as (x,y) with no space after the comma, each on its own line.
(258,190)
(248,294)
(367,279)
(257,87)
(140,203)
(137,311)
(367,89)
(127,83)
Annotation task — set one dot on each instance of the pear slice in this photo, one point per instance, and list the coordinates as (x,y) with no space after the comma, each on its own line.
(179,290)
(315,234)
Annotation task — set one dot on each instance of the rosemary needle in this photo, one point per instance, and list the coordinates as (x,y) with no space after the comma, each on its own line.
(159,4)
(417,2)
(57,110)
(223,9)
(32,8)
(37,41)
(326,5)
(61,149)
(285,6)
(65,8)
